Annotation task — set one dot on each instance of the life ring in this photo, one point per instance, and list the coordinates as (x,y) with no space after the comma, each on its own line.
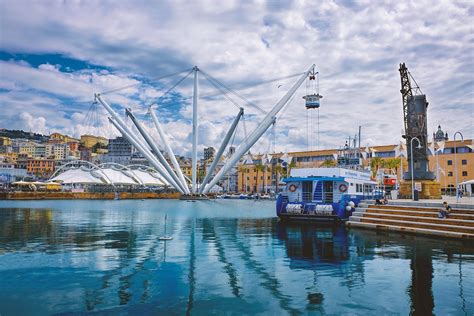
(343,188)
(292,188)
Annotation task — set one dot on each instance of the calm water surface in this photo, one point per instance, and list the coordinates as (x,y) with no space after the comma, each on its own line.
(226,257)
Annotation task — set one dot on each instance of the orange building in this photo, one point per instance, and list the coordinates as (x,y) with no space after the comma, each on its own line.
(40,167)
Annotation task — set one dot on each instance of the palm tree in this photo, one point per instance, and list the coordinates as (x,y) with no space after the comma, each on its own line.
(258,167)
(329,163)
(290,166)
(392,164)
(241,169)
(375,164)
(265,180)
(278,170)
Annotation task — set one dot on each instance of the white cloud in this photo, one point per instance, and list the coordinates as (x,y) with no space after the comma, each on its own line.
(356,48)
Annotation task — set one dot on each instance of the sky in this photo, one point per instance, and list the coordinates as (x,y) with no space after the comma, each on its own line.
(55,55)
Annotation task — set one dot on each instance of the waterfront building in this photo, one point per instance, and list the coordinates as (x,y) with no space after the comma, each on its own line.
(89,141)
(57,151)
(9,173)
(41,168)
(251,173)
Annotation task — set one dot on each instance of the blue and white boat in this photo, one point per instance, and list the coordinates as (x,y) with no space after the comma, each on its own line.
(324,194)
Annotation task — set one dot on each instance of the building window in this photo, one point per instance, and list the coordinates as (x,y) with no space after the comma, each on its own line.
(450,162)
(464,173)
(464,161)
(450,173)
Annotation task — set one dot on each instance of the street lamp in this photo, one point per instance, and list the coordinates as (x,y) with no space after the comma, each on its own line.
(455,164)
(411,155)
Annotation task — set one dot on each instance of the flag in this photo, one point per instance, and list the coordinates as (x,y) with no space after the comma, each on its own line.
(432,148)
(470,146)
(364,155)
(335,156)
(248,160)
(441,146)
(267,158)
(286,160)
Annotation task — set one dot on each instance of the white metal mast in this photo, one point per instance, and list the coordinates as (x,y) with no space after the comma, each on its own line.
(124,130)
(155,149)
(218,156)
(168,149)
(147,154)
(251,139)
(195,130)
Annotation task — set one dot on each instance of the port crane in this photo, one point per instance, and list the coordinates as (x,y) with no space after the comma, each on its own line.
(144,143)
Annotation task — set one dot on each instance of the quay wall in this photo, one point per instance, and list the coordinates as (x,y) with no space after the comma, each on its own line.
(85,195)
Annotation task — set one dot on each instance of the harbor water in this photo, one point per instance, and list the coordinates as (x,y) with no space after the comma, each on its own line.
(228,257)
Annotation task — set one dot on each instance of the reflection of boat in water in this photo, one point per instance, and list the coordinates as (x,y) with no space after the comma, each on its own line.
(323,193)
(310,245)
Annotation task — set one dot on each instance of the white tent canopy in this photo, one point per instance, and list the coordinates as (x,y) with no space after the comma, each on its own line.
(115,176)
(79,176)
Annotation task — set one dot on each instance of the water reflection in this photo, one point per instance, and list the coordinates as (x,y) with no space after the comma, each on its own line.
(60,260)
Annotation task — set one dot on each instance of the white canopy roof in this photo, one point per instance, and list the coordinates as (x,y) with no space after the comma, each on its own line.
(110,175)
(148,178)
(77,176)
(467,182)
(116,176)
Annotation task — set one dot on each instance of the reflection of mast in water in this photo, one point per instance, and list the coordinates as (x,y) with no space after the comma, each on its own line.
(192,267)
(461,290)
(269,282)
(420,290)
(228,266)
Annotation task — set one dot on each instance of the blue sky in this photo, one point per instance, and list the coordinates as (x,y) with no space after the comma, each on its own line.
(54,55)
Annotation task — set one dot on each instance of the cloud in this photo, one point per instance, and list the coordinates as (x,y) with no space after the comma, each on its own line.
(356,46)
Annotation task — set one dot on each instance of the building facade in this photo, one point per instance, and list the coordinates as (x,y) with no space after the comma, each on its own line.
(256,177)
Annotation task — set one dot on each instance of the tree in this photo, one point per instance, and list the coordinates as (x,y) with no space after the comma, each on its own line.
(392,164)
(278,171)
(258,167)
(290,166)
(375,165)
(242,169)
(329,163)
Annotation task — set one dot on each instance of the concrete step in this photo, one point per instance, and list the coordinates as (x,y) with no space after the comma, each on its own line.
(422,209)
(416,213)
(404,223)
(412,230)
(419,219)
(432,204)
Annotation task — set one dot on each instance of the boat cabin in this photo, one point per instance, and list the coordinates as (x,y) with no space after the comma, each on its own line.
(325,190)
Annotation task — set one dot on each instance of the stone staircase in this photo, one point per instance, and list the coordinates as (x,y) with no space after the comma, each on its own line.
(415,217)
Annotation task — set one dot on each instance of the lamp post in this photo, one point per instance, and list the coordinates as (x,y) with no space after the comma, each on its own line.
(455,164)
(411,156)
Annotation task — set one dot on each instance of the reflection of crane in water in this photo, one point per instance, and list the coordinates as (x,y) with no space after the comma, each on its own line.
(269,282)
(209,229)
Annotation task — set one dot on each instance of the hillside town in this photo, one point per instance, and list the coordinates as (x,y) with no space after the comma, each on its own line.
(33,157)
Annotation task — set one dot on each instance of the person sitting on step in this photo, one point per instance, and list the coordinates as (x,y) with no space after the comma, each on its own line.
(445,210)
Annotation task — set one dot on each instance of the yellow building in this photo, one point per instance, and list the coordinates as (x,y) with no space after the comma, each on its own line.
(88,141)
(254,177)
(57,137)
(5,141)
